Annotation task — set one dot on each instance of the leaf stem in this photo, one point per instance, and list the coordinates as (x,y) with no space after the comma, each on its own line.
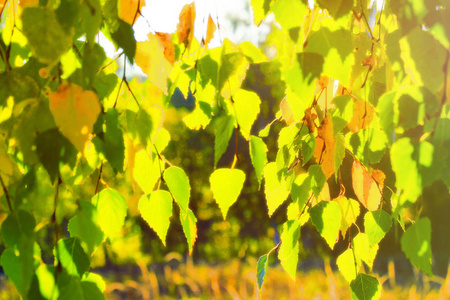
(99,178)
(5,191)
(55,224)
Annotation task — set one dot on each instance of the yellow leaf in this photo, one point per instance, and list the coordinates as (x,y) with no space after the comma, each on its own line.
(210,30)
(151,59)
(75,112)
(129,10)
(185,26)
(169,48)
(363,114)
(286,112)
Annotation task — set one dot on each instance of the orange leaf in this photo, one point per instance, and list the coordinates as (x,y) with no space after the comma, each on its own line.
(286,112)
(75,112)
(128,10)
(150,57)
(325,144)
(169,48)
(210,30)
(185,26)
(365,187)
(309,120)
(362,116)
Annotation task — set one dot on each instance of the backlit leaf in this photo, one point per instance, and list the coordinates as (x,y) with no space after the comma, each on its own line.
(111,211)
(349,211)
(363,250)
(224,130)
(258,155)
(178,184)
(156,209)
(75,112)
(416,244)
(363,114)
(348,265)
(151,59)
(286,112)
(128,9)
(146,171)
(326,217)
(325,147)
(246,105)
(189,224)
(226,185)
(123,37)
(185,26)
(376,224)
(288,253)
(275,187)
(366,188)
(210,29)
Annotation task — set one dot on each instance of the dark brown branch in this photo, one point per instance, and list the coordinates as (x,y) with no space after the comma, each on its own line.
(5,191)
(98,179)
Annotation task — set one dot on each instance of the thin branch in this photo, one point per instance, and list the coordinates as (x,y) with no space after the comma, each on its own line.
(55,224)
(99,179)
(5,191)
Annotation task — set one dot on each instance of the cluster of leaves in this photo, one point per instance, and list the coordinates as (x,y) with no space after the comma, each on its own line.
(359,83)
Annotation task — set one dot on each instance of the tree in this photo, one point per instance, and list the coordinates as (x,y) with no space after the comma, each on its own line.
(363,83)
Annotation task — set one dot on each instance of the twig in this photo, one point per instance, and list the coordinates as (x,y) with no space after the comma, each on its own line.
(5,191)
(99,178)
(55,223)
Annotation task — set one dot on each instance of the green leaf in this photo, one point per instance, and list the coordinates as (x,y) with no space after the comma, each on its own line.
(376,224)
(417,45)
(258,155)
(19,268)
(233,69)
(261,269)
(301,190)
(336,48)
(343,113)
(144,127)
(368,145)
(308,146)
(146,171)
(69,287)
(93,286)
(67,14)
(111,211)
(112,143)
(85,226)
(93,59)
(326,216)
(72,257)
(189,224)
(224,130)
(226,185)
(47,42)
(348,265)
(156,209)
(336,8)
(300,77)
(289,13)
(252,52)
(123,37)
(91,19)
(318,179)
(288,253)
(246,105)
(44,284)
(178,184)
(275,188)
(365,287)
(17,226)
(416,244)
(54,150)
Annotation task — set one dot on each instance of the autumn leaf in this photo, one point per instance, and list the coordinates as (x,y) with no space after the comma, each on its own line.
(363,114)
(286,112)
(308,120)
(210,29)
(129,10)
(185,26)
(75,112)
(368,61)
(325,144)
(151,58)
(169,48)
(366,188)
